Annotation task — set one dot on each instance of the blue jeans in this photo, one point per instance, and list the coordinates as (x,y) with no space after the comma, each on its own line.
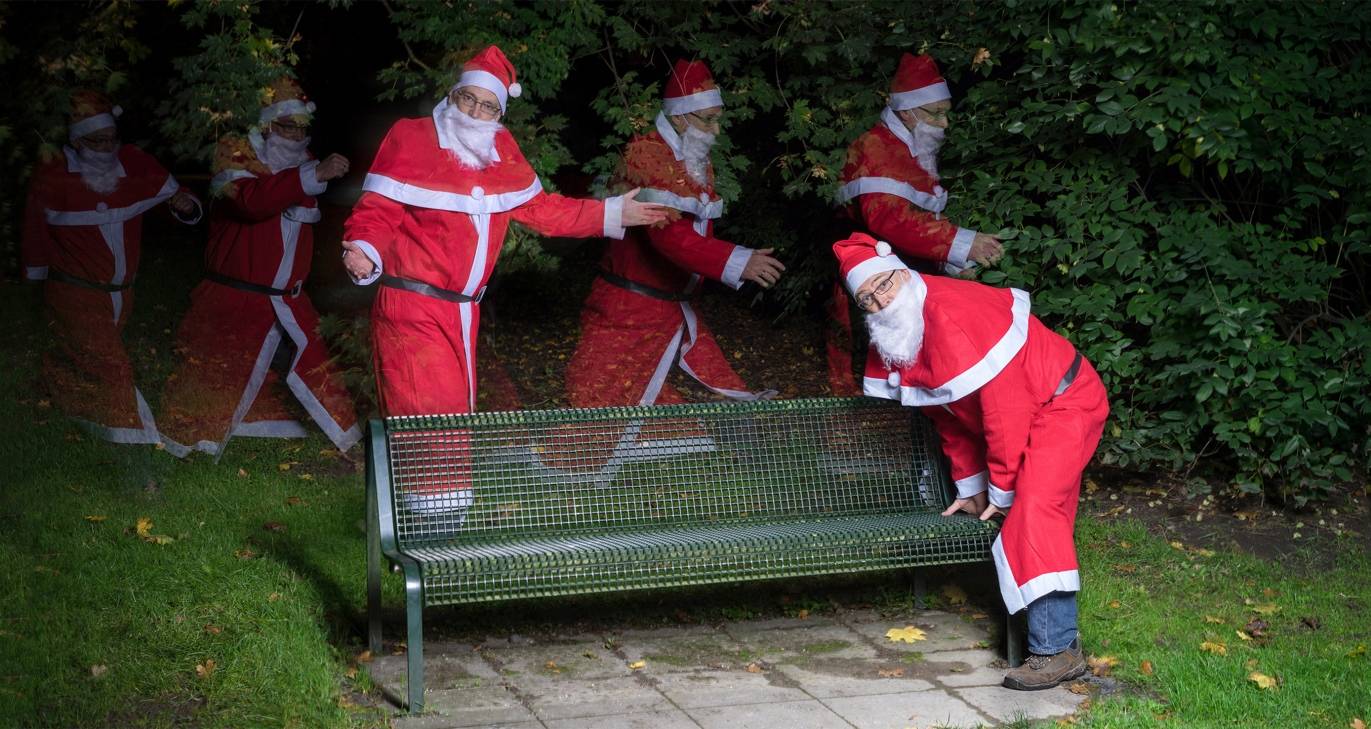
(1052,623)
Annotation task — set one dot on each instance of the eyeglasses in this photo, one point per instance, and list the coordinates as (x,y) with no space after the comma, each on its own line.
(866,300)
(471,102)
(100,140)
(935,115)
(709,121)
(289,128)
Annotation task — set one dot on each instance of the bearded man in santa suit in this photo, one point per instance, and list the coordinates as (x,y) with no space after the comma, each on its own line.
(1019,412)
(438,201)
(638,320)
(890,188)
(83,231)
(250,342)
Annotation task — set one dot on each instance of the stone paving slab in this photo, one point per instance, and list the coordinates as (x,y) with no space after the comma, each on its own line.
(944,632)
(827,685)
(671,719)
(571,699)
(724,688)
(1003,704)
(970,668)
(802,642)
(789,715)
(902,711)
(479,707)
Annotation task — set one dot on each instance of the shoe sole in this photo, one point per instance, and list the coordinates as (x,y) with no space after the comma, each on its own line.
(1010,683)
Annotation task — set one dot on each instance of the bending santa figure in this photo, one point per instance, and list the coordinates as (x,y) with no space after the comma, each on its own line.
(83,233)
(638,320)
(1019,412)
(250,341)
(890,189)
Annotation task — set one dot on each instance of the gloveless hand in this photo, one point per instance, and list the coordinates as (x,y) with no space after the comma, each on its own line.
(762,268)
(640,213)
(333,167)
(356,262)
(986,249)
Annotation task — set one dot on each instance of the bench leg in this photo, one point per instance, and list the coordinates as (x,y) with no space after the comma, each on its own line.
(1014,640)
(414,616)
(920,589)
(373,581)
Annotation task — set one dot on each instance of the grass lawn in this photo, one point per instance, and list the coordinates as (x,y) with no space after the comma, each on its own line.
(241,603)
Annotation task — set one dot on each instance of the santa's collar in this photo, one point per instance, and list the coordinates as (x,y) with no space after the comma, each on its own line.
(668,132)
(75,167)
(897,127)
(445,140)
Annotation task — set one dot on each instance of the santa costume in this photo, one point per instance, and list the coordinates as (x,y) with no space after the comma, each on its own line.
(250,341)
(1018,409)
(83,232)
(639,321)
(890,188)
(432,220)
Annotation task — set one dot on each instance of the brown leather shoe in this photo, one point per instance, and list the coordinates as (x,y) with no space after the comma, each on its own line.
(1044,672)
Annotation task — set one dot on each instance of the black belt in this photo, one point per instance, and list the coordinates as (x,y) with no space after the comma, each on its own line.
(419,287)
(1070,375)
(66,278)
(241,285)
(643,289)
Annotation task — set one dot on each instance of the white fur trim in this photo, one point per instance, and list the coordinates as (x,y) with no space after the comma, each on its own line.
(422,197)
(702,210)
(485,80)
(515,90)
(370,251)
(221,180)
(111,215)
(732,276)
(889,186)
(678,105)
(930,94)
(1017,597)
(302,214)
(961,247)
(614,218)
(972,485)
(669,135)
(870,267)
(1001,498)
(271,429)
(893,379)
(289,107)
(882,248)
(193,218)
(91,124)
(309,178)
(445,140)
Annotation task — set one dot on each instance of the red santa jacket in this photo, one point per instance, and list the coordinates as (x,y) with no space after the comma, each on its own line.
(985,369)
(897,200)
(259,228)
(90,235)
(670,256)
(423,216)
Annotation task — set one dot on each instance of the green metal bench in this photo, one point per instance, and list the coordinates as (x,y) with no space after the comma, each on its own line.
(495,506)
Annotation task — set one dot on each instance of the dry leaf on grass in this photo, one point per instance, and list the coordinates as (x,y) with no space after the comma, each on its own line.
(1146,668)
(273,597)
(1262,680)
(213,629)
(245,553)
(1079,688)
(96,518)
(98,670)
(1101,665)
(206,669)
(242,473)
(1115,604)
(908,634)
(274,526)
(1212,619)
(1215,647)
(1356,723)
(144,531)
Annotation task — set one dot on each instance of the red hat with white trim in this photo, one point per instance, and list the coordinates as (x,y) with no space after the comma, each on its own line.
(286,98)
(860,257)
(91,111)
(690,87)
(491,70)
(917,83)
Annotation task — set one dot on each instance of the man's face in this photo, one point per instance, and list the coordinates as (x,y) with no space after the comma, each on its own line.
(476,102)
(880,289)
(289,128)
(103,140)
(934,115)
(709,120)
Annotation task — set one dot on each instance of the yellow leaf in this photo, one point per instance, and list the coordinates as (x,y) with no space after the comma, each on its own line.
(802,615)
(1146,668)
(955,594)
(206,669)
(96,518)
(552,666)
(890,673)
(753,668)
(364,657)
(1357,652)
(283,466)
(160,539)
(1357,724)
(1262,680)
(637,665)
(1242,635)
(1218,649)
(1268,609)
(1177,545)
(1115,604)
(1212,619)
(908,634)
(144,527)
(273,597)
(1101,665)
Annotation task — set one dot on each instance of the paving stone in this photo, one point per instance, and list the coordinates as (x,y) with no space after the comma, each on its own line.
(683,651)
(981,667)
(944,631)
(443,669)
(585,659)
(671,719)
(434,721)
(899,711)
(724,688)
(476,707)
(576,698)
(1006,705)
(828,685)
(789,715)
(801,642)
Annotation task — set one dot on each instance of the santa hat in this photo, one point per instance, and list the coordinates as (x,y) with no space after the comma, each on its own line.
(489,69)
(90,111)
(286,98)
(860,257)
(690,88)
(917,83)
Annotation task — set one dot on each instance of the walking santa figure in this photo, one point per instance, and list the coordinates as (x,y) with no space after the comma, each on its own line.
(83,232)
(1019,412)
(639,321)
(250,350)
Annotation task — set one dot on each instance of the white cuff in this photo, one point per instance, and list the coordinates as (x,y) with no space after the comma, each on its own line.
(961,248)
(614,217)
(36,273)
(192,219)
(972,485)
(1001,498)
(733,270)
(309,180)
(375,258)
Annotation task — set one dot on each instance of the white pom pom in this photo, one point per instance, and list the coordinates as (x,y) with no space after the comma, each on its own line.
(515,89)
(310,107)
(117,110)
(882,249)
(893,379)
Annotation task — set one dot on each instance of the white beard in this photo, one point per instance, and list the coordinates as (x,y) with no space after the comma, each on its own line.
(474,138)
(99,170)
(283,154)
(898,329)
(928,139)
(695,147)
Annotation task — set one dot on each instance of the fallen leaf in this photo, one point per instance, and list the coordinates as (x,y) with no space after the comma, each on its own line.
(1242,635)
(908,634)
(1213,619)
(274,526)
(206,669)
(552,666)
(245,553)
(213,629)
(98,670)
(1250,664)
(890,673)
(1177,545)
(1101,665)
(1146,668)
(364,657)
(295,501)
(351,672)
(636,665)
(1218,649)
(1126,569)
(1079,688)
(955,594)
(283,466)
(1262,680)
(1268,609)
(1357,652)
(1115,604)
(96,518)
(752,668)
(273,597)
(1357,724)
(802,615)
(242,473)
(1256,627)
(144,527)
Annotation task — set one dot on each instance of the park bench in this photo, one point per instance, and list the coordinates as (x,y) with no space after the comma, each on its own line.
(503,505)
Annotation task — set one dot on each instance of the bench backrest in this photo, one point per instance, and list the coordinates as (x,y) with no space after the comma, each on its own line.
(508,475)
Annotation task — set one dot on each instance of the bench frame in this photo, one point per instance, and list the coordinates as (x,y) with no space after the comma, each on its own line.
(382,546)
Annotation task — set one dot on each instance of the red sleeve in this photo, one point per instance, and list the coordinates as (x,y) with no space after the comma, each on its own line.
(1006,413)
(260,198)
(36,245)
(557,215)
(909,230)
(702,254)
(964,449)
(373,221)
